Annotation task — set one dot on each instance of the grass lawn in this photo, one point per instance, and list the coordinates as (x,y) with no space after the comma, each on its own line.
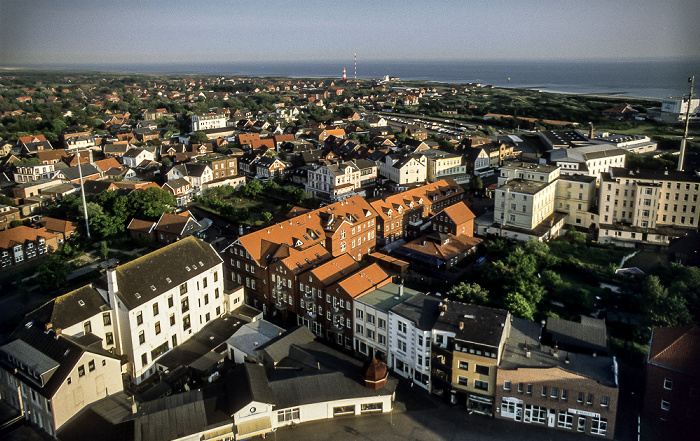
(592,255)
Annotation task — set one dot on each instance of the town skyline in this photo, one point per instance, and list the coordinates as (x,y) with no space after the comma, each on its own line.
(35,33)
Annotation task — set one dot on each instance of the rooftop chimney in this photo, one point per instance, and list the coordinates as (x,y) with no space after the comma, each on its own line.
(112,286)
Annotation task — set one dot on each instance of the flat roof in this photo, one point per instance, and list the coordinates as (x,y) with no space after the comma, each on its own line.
(524,186)
(387,296)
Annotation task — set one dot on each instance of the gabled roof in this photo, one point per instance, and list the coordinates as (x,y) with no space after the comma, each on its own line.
(418,196)
(147,277)
(21,235)
(141,226)
(71,308)
(458,213)
(364,280)
(335,269)
(177,223)
(106,164)
(59,225)
(676,348)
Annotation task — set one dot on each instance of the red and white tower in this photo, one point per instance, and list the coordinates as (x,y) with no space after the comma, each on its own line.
(344,76)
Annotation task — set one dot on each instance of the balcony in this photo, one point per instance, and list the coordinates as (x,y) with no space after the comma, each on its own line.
(309,298)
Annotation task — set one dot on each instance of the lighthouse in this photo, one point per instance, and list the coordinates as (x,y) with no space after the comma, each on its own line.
(344,76)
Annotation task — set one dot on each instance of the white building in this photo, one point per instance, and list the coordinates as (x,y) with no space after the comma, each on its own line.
(162,299)
(205,122)
(406,170)
(592,160)
(135,156)
(410,336)
(335,182)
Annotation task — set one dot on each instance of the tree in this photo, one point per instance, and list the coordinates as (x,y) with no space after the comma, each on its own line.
(104,250)
(267,217)
(519,306)
(52,273)
(252,189)
(576,237)
(151,203)
(470,293)
(199,138)
(475,183)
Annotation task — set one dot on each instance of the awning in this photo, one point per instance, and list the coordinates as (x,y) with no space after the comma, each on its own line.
(480,399)
(254,427)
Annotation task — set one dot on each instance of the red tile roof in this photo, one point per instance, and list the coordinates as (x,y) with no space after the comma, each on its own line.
(20,235)
(459,213)
(677,348)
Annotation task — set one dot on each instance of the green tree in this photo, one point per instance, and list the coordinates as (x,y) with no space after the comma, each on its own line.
(470,293)
(104,250)
(475,183)
(267,217)
(519,306)
(252,189)
(576,237)
(151,203)
(199,138)
(52,273)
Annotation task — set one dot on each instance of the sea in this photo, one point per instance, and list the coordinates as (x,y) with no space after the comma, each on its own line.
(656,79)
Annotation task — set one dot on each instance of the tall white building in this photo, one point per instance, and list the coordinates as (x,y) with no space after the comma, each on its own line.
(205,122)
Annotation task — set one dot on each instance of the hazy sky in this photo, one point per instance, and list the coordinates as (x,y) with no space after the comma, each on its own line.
(123,31)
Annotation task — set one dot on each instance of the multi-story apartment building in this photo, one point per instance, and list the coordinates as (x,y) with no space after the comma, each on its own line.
(7,215)
(399,213)
(163,298)
(371,313)
(648,207)
(575,195)
(21,244)
(443,165)
(456,219)
(335,181)
(468,344)
(222,166)
(347,226)
(672,382)
(569,391)
(211,121)
(410,338)
(404,171)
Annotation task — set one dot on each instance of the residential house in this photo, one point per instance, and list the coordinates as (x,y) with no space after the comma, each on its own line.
(73,174)
(443,165)
(196,173)
(269,167)
(21,244)
(223,166)
(439,251)
(404,171)
(181,189)
(209,121)
(334,181)
(456,219)
(593,160)
(135,157)
(64,229)
(8,214)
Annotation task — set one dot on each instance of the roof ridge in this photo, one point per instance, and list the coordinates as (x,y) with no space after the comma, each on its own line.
(675,341)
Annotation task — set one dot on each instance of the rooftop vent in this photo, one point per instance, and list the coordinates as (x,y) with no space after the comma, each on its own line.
(81,303)
(137,295)
(167,279)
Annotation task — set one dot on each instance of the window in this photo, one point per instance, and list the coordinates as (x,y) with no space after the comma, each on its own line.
(359,329)
(464,365)
(144,360)
(186,322)
(402,346)
(581,426)
(91,365)
(142,338)
(599,426)
(155,309)
(382,339)
(564,394)
(520,387)
(81,371)
(506,385)
(183,288)
(106,318)
(206,299)
(157,327)
(370,317)
(204,283)
(287,415)
(668,384)
(529,389)
(109,338)
(554,392)
(544,391)
(381,323)
(604,401)
(139,318)
(87,326)
(216,292)
(401,327)
(580,397)
(359,314)
(566,420)
(170,302)
(590,399)
(464,381)
(172,319)
(481,385)
(665,405)
(185,303)
(482,370)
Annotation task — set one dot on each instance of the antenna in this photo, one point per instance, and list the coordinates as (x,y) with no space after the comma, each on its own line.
(82,191)
(691,80)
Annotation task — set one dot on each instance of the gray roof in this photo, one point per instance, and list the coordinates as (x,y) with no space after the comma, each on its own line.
(171,417)
(422,309)
(481,324)
(72,173)
(278,348)
(522,332)
(590,333)
(583,154)
(179,261)
(251,336)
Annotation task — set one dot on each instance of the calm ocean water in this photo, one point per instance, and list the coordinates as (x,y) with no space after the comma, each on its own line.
(649,79)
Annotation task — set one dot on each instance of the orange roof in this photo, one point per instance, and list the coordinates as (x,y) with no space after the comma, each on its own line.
(141,225)
(459,213)
(335,269)
(364,280)
(20,235)
(676,347)
(106,164)
(453,247)
(388,207)
(175,223)
(51,155)
(305,230)
(258,143)
(32,138)
(299,261)
(53,224)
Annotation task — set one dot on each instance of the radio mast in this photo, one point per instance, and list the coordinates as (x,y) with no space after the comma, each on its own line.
(681,157)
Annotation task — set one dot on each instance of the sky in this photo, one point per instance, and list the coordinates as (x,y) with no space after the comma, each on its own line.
(49,32)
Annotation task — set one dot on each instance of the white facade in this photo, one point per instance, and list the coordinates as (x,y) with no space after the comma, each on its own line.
(337,181)
(205,122)
(33,172)
(404,172)
(371,333)
(409,350)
